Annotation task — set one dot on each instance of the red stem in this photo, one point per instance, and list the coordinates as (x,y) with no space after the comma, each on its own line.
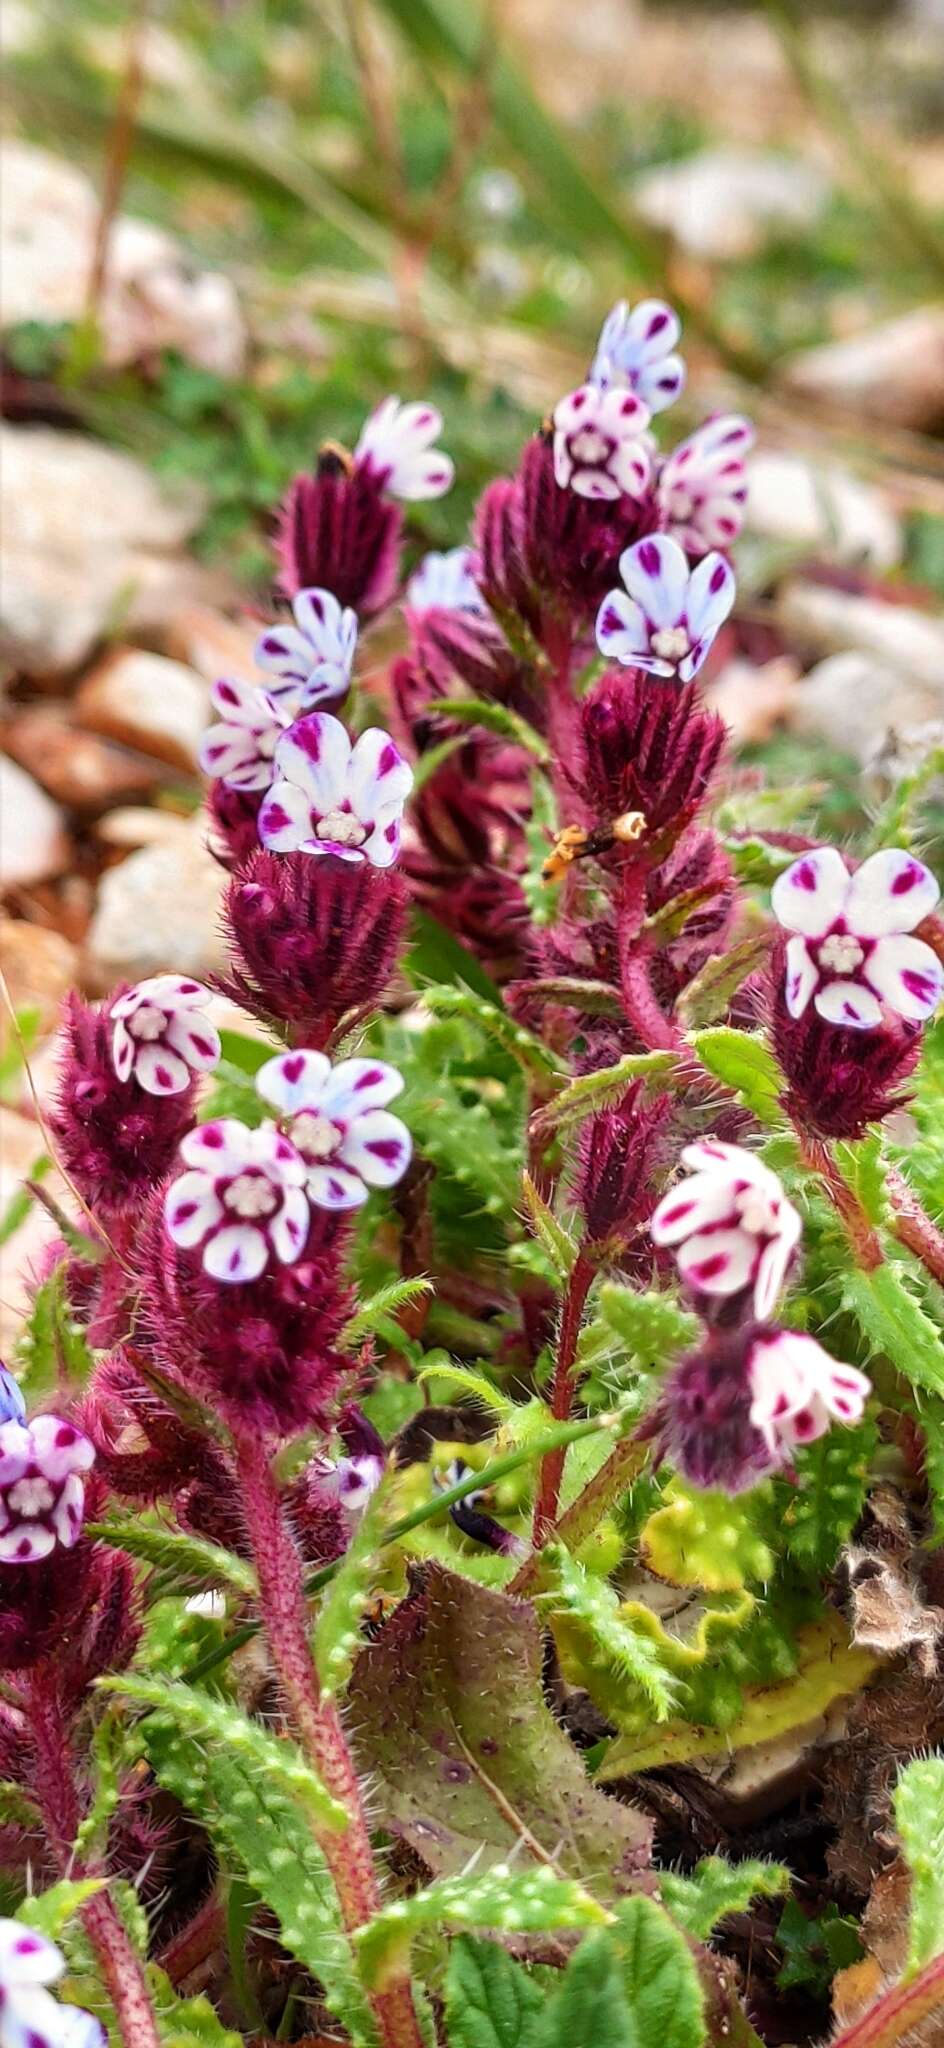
(649,1021)
(552,1464)
(862,1238)
(914,1227)
(898,2012)
(55,1788)
(284,1616)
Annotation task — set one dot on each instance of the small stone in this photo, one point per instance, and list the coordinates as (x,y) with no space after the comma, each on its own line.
(754,699)
(723,204)
(213,644)
(157,912)
(820,507)
(860,704)
(823,620)
(158,706)
(894,373)
(83,773)
(39,966)
(33,840)
(135,825)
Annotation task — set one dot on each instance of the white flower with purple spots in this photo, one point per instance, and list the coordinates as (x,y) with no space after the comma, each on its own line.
(445,582)
(598,449)
(396,448)
(310,663)
(338,1123)
(240,748)
(667,617)
(29,2015)
(851,951)
(243,1200)
(334,797)
(636,350)
(797,1391)
(42,1487)
(702,485)
(161,1035)
(730,1224)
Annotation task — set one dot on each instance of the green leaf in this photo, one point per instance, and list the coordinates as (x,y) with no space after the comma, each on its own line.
(435,956)
(919,1812)
(516,1902)
(245,1053)
(745,1064)
(491,2002)
(653,1327)
(380,1305)
(52,1353)
(706,1539)
(209,1719)
(659,1978)
(522,1045)
(716,1888)
(593,1091)
(494,717)
(50,1911)
(709,993)
(590,2004)
(557,1241)
(187,1561)
(17,1808)
(336,1639)
(893,1322)
(815,1948)
(819,1514)
(618,1654)
(192,2023)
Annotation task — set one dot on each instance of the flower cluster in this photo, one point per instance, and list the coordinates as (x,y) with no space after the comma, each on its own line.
(42,1487)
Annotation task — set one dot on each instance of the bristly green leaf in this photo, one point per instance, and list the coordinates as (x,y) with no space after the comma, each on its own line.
(620,1656)
(498,718)
(521,1045)
(707,996)
(653,1327)
(491,2002)
(52,1351)
(659,1978)
(820,1512)
(514,1902)
(210,1719)
(380,1305)
(893,1322)
(185,1561)
(745,1064)
(590,2003)
(557,1241)
(50,1911)
(108,1750)
(335,1642)
(865,1169)
(716,1888)
(919,1812)
(192,2023)
(593,1091)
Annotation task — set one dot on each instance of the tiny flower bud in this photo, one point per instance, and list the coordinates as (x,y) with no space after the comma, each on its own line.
(620,1150)
(313,938)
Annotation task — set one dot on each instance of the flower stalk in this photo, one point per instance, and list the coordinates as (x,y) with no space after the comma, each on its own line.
(552,1464)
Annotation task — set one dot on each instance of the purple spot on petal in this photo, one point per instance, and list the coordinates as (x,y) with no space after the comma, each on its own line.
(387,1149)
(274,818)
(65,1435)
(203,1045)
(369,1080)
(804,876)
(227,691)
(649,558)
(906,880)
(656,325)
(678,1209)
(293,1067)
(161,1074)
(212,1138)
(718,580)
(181,1214)
(307,736)
(611,622)
(918,984)
(388,759)
(709,1269)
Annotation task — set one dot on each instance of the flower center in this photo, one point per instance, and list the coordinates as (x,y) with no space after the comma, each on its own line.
(757,1212)
(251,1195)
(147,1022)
(590,446)
(315,1136)
(841,952)
(31,1497)
(671,643)
(342,828)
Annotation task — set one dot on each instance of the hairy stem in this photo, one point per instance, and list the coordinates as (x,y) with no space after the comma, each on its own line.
(579,1521)
(317,1723)
(861,1236)
(913,1226)
(56,1791)
(552,1464)
(898,2012)
(653,1028)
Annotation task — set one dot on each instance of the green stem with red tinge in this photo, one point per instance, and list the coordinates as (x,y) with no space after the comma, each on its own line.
(552,1464)
(898,2012)
(317,1723)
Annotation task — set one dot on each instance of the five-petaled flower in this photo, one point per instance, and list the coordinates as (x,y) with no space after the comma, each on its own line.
(240,748)
(29,2015)
(161,1035)
(702,485)
(42,1490)
(731,1223)
(636,351)
(598,450)
(338,1122)
(243,1199)
(395,448)
(445,582)
(668,615)
(310,663)
(851,952)
(797,1390)
(334,797)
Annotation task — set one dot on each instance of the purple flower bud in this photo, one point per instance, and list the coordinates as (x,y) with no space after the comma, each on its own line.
(115,1139)
(620,1151)
(314,938)
(647,747)
(338,532)
(233,816)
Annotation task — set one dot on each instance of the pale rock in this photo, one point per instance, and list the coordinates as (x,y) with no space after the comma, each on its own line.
(894,373)
(820,507)
(723,204)
(155,705)
(861,705)
(213,644)
(34,845)
(754,699)
(79,770)
(822,620)
(159,911)
(24,1255)
(38,967)
(153,296)
(134,825)
(88,533)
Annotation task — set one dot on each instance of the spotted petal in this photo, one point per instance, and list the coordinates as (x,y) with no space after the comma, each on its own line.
(378,1147)
(710,597)
(655,572)
(890,892)
(383,845)
(285,818)
(232,754)
(774,1263)
(622,634)
(240,703)
(122,1050)
(195,1039)
(237,1253)
(59,1448)
(289,1228)
(16,1451)
(159,1071)
(718,1261)
(330,628)
(335,1187)
(294,1080)
(379,777)
(314,755)
(811,894)
(219,1147)
(850,1003)
(26,1956)
(802,976)
(68,1511)
(191,1209)
(358,1085)
(26,1543)
(907,975)
(702,1199)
